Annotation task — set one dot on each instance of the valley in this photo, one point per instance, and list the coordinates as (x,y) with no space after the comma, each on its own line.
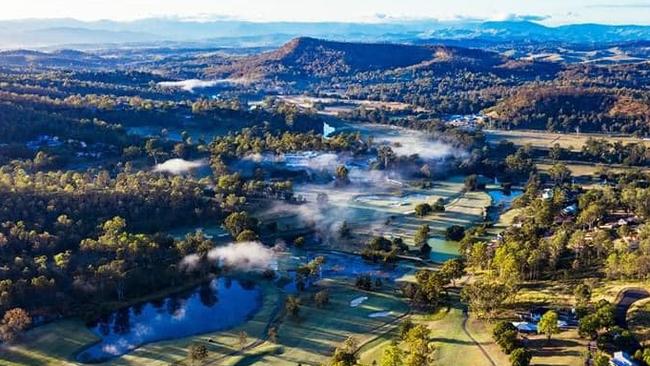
(457,201)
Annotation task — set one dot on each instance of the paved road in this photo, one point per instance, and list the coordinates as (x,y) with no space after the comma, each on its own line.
(624,300)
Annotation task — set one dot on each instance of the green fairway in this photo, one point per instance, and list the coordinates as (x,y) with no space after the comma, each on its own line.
(51,344)
(310,338)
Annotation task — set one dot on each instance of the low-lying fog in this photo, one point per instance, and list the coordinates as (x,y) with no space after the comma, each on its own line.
(179,166)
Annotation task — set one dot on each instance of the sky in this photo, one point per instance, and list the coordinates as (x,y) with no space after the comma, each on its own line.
(550,12)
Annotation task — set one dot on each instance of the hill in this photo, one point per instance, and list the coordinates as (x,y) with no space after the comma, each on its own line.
(307,58)
(566,108)
(57,59)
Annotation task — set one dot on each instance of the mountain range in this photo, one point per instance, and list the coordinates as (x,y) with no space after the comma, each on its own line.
(70,33)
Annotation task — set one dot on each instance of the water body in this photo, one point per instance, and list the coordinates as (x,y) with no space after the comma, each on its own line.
(343,265)
(503,200)
(443,250)
(219,305)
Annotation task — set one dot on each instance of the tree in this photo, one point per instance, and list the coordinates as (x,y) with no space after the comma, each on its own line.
(422,209)
(453,269)
(591,214)
(520,357)
(582,294)
(455,233)
(588,326)
(601,359)
(345,355)
(342,173)
(243,339)
(485,297)
(273,334)
(392,356)
(13,323)
(344,230)
(418,345)
(421,235)
(322,298)
(439,205)
(292,305)
(198,352)
(559,174)
(548,324)
(237,222)
(471,183)
(404,328)
(246,236)
(505,335)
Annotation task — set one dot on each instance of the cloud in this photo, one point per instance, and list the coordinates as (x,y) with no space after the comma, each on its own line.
(511,17)
(637,5)
(179,166)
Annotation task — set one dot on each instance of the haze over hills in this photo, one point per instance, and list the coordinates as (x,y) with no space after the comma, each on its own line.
(58,33)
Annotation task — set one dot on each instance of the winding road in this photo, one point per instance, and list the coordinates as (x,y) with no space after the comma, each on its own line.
(624,300)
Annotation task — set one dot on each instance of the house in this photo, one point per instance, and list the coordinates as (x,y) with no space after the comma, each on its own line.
(570,210)
(525,327)
(622,359)
(547,194)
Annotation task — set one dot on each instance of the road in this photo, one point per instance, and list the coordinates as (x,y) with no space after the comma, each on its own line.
(624,300)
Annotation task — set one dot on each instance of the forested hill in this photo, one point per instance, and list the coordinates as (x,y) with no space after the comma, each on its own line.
(315,58)
(566,108)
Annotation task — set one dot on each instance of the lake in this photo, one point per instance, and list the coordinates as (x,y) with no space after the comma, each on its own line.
(219,305)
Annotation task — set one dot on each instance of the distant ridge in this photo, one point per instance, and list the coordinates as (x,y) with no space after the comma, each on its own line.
(155,31)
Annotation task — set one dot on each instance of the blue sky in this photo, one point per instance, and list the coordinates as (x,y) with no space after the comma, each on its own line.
(548,11)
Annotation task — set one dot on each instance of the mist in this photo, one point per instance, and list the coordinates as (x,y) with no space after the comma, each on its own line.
(245,256)
(411,142)
(191,84)
(179,166)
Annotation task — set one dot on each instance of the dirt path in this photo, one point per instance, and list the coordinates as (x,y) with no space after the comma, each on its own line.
(480,346)
(466,330)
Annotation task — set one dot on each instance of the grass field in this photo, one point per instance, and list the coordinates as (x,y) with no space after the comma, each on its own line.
(545,140)
(378,214)
(453,345)
(564,349)
(311,338)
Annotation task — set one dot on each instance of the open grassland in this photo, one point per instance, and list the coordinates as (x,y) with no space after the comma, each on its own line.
(564,349)
(586,169)
(545,140)
(638,320)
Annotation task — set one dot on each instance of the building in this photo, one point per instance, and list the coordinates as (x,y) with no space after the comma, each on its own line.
(622,359)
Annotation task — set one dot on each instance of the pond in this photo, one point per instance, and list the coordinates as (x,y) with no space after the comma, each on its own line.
(504,199)
(443,250)
(219,305)
(339,264)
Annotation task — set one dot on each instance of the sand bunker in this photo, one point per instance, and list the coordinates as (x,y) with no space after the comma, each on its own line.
(358,301)
(381,314)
